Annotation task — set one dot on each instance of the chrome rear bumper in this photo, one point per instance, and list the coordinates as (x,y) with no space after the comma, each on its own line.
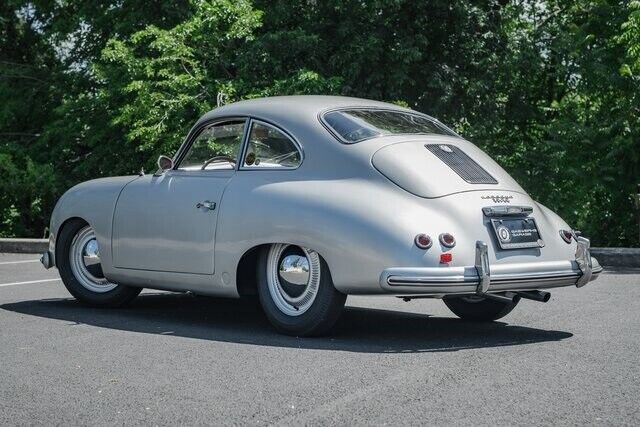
(485,278)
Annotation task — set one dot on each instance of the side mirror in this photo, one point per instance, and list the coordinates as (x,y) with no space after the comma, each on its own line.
(164,163)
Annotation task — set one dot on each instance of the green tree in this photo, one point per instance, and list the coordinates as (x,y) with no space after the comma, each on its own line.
(29,93)
(549,88)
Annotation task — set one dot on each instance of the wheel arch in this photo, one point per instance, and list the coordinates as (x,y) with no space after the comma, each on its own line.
(246,270)
(61,228)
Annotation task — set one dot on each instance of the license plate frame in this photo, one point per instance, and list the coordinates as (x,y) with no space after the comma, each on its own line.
(517,233)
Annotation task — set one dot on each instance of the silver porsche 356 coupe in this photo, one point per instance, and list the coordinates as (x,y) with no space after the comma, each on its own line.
(303,200)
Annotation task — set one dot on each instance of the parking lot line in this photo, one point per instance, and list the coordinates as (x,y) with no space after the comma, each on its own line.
(19,262)
(2,285)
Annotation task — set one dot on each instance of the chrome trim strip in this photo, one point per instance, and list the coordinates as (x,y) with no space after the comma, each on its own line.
(493,211)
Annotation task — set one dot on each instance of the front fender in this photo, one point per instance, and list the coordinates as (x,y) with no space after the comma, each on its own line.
(94,202)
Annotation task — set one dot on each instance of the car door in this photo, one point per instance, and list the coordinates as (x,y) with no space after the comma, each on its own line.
(168,222)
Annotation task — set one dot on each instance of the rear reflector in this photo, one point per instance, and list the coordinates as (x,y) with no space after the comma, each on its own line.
(446,258)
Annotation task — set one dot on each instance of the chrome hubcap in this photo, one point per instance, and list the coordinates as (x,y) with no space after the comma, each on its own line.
(295,269)
(90,254)
(293,278)
(84,258)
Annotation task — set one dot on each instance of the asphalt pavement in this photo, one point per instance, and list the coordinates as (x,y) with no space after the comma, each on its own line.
(170,359)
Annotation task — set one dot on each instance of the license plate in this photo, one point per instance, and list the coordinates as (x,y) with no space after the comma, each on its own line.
(516,233)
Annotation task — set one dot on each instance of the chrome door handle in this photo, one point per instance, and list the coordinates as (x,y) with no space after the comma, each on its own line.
(206,204)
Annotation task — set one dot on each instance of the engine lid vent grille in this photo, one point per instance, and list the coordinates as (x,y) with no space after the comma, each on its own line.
(461,164)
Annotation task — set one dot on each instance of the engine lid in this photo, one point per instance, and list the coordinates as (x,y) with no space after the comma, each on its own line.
(437,167)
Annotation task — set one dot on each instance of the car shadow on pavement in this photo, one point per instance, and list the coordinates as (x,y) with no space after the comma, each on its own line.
(366,330)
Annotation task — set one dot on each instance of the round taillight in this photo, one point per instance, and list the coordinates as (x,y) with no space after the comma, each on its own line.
(423,241)
(447,240)
(566,235)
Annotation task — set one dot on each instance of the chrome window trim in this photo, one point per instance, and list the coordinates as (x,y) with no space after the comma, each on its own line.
(197,130)
(360,107)
(245,146)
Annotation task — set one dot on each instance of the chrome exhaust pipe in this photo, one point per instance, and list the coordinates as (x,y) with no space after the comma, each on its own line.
(539,296)
(500,298)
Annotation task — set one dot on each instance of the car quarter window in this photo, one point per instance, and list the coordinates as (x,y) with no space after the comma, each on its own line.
(269,147)
(216,147)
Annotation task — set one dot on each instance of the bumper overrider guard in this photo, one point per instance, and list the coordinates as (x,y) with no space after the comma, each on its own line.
(482,278)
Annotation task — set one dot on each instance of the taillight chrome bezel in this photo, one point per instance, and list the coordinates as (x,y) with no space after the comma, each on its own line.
(421,244)
(566,235)
(447,240)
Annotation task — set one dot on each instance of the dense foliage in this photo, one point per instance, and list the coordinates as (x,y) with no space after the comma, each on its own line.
(550,88)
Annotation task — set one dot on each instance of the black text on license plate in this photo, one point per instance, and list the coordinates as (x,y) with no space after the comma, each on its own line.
(516,233)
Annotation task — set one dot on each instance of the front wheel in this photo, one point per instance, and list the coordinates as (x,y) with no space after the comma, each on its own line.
(80,268)
(296,290)
(479,309)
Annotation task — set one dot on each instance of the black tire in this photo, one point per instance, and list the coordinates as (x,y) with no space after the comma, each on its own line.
(116,297)
(317,319)
(479,309)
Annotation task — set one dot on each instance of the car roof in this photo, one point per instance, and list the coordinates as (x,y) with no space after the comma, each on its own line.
(298,116)
(308,106)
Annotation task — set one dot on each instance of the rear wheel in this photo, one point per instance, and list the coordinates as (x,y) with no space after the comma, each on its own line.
(81,269)
(296,291)
(479,309)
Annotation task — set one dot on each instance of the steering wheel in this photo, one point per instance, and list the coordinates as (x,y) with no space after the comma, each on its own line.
(218,159)
(282,157)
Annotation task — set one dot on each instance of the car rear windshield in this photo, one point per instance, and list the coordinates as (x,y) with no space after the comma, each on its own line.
(355,125)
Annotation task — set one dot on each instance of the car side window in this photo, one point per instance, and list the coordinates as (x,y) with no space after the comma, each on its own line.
(216,147)
(270,148)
